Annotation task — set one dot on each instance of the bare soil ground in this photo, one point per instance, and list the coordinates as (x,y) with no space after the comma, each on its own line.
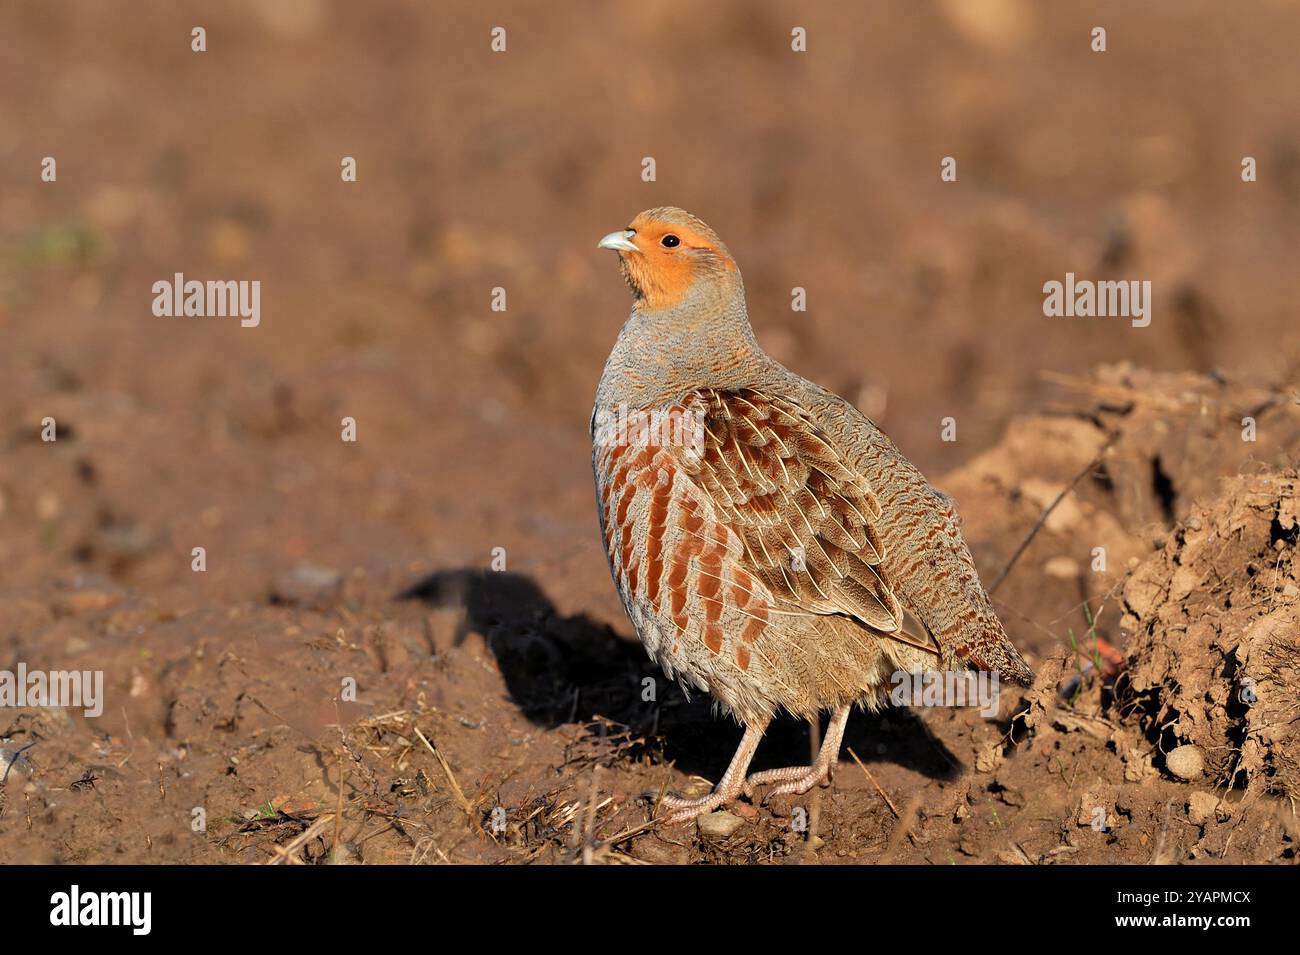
(478,693)
(333,564)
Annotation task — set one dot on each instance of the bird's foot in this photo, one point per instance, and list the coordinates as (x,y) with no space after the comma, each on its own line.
(800,779)
(793,779)
(728,788)
(685,809)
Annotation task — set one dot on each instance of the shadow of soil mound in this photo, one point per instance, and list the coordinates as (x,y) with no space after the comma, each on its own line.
(1214,656)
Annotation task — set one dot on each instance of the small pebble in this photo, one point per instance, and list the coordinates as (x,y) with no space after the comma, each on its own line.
(1185,763)
(719,825)
(345,853)
(305,584)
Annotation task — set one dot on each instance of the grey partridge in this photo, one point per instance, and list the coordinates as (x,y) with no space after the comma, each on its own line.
(770,544)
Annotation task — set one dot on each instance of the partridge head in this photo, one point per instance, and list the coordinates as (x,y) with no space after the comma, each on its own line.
(665,253)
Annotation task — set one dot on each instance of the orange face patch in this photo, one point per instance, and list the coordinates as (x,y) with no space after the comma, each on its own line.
(663,270)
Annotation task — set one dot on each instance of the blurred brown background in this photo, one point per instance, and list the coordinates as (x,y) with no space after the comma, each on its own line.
(478,169)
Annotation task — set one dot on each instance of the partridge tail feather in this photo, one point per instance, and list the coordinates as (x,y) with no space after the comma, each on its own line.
(992,650)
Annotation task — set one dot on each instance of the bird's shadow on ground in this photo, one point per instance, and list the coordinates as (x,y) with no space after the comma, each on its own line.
(562,669)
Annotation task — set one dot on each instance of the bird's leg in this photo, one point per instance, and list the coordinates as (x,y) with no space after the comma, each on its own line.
(800,779)
(728,788)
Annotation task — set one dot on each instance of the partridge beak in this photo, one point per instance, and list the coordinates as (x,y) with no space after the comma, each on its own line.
(620,241)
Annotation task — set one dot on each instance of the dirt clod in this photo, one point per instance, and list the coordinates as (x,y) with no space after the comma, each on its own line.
(1201,808)
(1185,763)
(1215,641)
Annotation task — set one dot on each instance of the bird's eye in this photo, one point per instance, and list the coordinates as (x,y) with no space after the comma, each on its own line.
(670,241)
